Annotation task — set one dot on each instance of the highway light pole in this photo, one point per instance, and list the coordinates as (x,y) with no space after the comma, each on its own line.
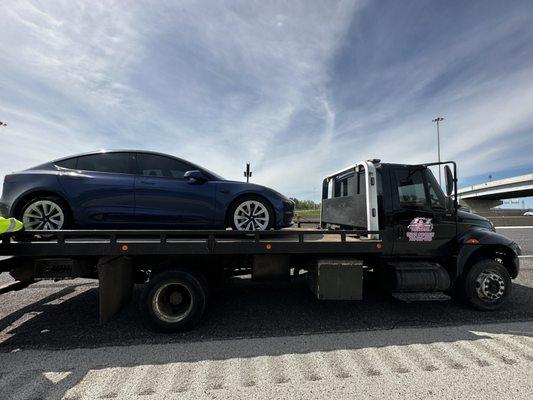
(248,172)
(437,120)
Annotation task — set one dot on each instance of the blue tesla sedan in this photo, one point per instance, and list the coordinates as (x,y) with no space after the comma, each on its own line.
(138,189)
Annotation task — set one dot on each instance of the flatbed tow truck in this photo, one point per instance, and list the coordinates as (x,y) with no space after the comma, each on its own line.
(389,221)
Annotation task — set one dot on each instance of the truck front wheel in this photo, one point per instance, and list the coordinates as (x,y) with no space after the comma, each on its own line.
(487,285)
(174,300)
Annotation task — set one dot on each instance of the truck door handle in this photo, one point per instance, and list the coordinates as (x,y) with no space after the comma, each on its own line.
(401,232)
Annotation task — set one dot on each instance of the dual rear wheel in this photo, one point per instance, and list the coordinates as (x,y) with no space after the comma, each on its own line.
(174,300)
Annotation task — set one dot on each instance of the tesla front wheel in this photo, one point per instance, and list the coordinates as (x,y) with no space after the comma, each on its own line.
(252,214)
(44,213)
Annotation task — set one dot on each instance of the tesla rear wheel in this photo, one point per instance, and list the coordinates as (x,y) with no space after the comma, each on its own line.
(44,213)
(252,214)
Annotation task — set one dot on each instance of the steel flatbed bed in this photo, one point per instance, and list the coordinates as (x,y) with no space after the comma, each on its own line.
(80,243)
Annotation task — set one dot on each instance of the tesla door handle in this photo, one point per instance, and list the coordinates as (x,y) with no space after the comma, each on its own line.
(75,176)
(148,183)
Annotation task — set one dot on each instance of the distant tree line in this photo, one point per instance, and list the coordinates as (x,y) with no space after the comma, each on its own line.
(305,204)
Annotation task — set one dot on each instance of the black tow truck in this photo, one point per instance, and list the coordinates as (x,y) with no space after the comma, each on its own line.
(389,222)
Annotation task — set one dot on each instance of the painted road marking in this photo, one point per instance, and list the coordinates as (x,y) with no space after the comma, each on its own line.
(514,227)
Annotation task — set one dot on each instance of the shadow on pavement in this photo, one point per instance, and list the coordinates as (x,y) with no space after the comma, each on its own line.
(244,320)
(242,309)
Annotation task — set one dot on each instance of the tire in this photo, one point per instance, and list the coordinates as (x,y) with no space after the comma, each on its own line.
(45,213)
(174,300)
(239,214)
(487,285)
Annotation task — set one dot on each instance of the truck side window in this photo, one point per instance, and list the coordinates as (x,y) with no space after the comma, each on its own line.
(349,184)
(411,189)
(436,196)
(341,185)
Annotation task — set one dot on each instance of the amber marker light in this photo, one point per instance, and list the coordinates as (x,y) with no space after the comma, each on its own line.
(268,246)
(125,247)
(379,246)
(472,241)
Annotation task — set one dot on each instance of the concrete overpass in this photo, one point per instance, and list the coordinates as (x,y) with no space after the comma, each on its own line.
(483,197)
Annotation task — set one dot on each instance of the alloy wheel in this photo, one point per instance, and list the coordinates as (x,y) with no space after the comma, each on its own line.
(251,215)
(43,215)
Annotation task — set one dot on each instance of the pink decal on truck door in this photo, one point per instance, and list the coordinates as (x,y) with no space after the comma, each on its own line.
(420,230)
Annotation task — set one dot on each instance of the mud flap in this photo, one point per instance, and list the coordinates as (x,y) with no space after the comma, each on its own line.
(115,276)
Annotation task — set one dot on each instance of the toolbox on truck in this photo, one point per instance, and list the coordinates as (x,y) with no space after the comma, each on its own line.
(334,279)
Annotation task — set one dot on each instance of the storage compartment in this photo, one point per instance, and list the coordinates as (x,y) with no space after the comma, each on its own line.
(270,267)
(337,279)
(63,268)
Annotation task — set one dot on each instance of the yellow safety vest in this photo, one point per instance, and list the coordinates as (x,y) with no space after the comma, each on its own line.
(10,225)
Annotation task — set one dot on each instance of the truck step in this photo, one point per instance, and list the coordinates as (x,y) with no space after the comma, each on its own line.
(421,296)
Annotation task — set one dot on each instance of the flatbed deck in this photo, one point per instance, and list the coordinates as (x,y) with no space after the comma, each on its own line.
(74,243)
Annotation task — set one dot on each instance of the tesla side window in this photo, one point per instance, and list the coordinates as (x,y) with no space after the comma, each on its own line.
(160,166)
(69,164)
(117,163)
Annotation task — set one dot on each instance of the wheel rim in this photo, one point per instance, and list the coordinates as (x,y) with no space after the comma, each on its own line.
(43,215)
(250,216)
(490,285)
(172,302)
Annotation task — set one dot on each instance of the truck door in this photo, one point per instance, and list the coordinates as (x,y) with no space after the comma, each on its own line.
(421,224)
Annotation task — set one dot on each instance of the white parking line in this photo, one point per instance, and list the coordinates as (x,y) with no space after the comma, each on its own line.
(514,227)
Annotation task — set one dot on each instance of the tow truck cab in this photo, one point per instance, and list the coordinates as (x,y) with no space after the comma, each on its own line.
(424,232)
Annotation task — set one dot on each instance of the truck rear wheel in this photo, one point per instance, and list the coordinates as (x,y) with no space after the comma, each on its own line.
(487,285)
(174,300)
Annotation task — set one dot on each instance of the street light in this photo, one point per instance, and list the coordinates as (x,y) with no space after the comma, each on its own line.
(437,120)
(248,172)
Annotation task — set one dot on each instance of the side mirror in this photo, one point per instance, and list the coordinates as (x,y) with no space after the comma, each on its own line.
(195,176)
(449,180)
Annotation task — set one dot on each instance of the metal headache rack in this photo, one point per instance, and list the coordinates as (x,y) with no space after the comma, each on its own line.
(152,242)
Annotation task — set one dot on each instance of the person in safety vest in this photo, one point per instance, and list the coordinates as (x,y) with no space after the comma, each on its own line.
(10,225)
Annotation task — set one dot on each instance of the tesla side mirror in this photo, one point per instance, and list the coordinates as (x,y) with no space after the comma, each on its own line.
(449,180)
(195,176)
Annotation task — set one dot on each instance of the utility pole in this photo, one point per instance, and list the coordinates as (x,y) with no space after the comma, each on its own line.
(437,120)
(247,173)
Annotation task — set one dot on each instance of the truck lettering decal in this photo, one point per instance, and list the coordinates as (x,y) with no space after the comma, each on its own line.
(420,230)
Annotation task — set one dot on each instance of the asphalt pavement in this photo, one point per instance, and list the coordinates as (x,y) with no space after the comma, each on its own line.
(50,329)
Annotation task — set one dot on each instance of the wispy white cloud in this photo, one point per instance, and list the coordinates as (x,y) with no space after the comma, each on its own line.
(298,88)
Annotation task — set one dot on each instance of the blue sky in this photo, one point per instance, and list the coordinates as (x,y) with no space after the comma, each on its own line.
(300,89)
